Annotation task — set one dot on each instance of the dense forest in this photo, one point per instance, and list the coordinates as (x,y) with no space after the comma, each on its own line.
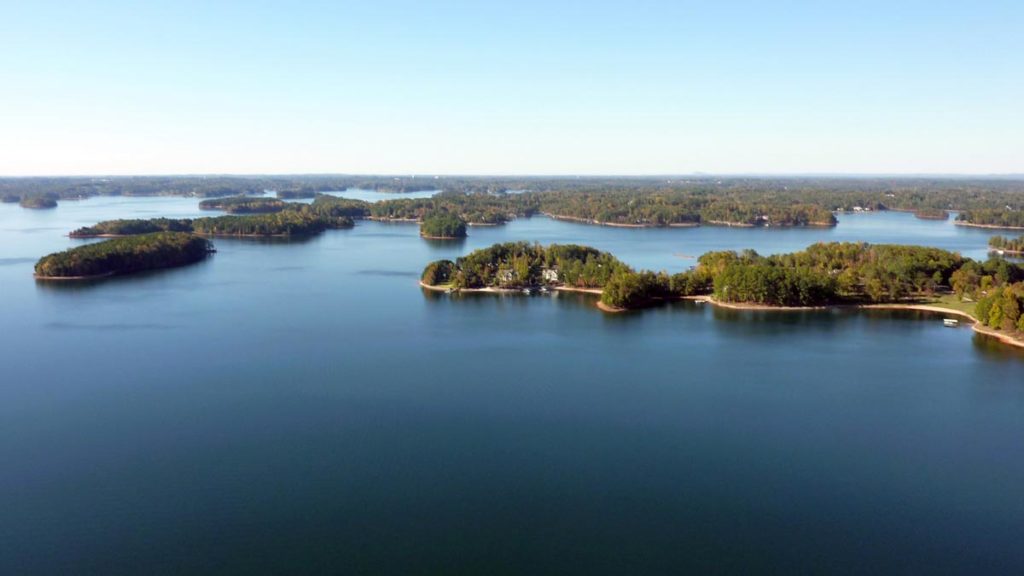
(1012,245)
(1003,308)
(649,201)
(37,202)
(932,214)
(133,227)
(243,204)
(521,265)
(297,193)
(125,255)
(297,219)
(996,218)
(442,225)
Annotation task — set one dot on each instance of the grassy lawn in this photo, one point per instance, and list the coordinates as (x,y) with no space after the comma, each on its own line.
(951,301)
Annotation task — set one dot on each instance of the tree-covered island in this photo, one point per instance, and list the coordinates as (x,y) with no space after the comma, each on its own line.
(124,256)
(296,220)
(825,274)
(243,204)
(37,202)
(442,226)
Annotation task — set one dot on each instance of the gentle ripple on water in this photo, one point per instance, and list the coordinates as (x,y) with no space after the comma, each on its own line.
(304,407)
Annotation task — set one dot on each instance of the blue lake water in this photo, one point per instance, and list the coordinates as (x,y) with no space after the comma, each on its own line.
(303,407)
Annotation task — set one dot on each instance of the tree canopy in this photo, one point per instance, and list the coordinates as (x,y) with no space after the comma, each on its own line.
(125,255)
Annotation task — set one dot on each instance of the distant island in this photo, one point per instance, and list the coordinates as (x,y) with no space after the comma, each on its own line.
(932,214)
(243,204)
(442,226)
(124,256)
(825,274)
(38,202)
(609,201)
(293,220)
(307,192)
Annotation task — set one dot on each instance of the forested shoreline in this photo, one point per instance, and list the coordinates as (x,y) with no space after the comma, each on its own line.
(825,274)
(291,220)
(1008,245)
(627,201)
(124,256)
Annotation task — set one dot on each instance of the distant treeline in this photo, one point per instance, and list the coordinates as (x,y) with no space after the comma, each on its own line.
(825,273)
(38,202)
(295,219)
(125,255)
(651,201)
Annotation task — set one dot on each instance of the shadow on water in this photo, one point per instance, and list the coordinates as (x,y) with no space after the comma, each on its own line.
(266,240)
(516,300)
(992,349)
(444,244)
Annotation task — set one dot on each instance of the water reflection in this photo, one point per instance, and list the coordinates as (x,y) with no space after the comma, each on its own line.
(992,349)
(439,244)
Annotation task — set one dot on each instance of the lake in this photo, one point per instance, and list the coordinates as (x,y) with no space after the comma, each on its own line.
(304,407)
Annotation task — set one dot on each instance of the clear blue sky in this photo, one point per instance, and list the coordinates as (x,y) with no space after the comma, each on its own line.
(511,87)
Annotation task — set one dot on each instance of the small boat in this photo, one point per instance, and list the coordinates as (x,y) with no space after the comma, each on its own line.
(950,322)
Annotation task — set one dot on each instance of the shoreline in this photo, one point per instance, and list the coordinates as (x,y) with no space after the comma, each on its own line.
(426,237)
(722,223)
(618,224)
(991,226)
(399,220)
(976,326)
(492,290)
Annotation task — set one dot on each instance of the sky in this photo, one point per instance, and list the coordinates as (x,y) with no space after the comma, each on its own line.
(512,87)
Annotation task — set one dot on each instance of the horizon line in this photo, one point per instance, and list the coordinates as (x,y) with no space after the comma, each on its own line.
(565,175)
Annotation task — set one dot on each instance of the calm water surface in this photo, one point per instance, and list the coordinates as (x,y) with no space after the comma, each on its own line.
(289,407)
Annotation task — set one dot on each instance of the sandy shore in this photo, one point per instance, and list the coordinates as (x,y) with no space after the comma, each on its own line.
(975,325)
(617,224)
(490,290)
(992,226)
